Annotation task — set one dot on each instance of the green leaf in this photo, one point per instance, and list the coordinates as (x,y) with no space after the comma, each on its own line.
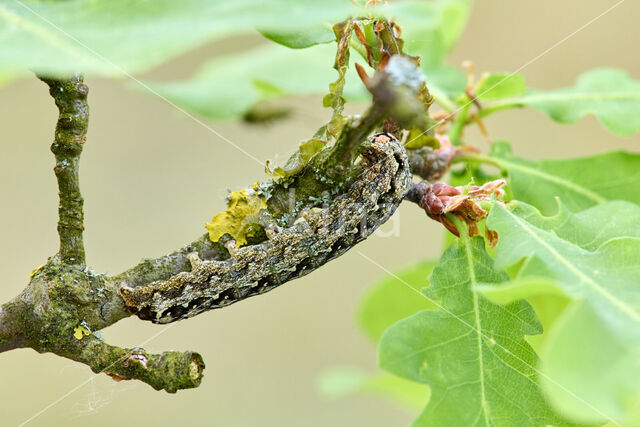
(430,29)
(445,82)
(344,381)
(610,94)
(454,15)
(520,288)
(106,37)
(548,309)
(500,85)
(576,251)
(227,87)
(598,361)
(310,36)
(472,353)
(386,302)
(441,20)
(221,88)
(390,300)
(588,229)
(579,182)
(408,393)
(592,258)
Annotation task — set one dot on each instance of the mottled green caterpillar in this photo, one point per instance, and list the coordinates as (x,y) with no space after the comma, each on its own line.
(318,236)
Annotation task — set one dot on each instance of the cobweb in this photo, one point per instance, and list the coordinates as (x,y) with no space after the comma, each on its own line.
(98,395)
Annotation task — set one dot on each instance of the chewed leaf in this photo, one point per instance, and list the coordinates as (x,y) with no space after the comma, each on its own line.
(335,98)
(239,219)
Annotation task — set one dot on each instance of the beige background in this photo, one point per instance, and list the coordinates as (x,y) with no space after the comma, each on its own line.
(151,178)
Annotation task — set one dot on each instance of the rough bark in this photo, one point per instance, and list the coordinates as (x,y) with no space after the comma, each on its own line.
(70,96)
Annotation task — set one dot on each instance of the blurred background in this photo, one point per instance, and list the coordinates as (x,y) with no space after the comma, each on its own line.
(152,177)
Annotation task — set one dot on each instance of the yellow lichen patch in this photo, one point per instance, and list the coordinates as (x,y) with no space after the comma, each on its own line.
(79,332)
(239,219)
(34,272)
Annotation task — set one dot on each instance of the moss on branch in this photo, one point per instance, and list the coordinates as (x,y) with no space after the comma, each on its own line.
(170,371)
(70,96)
(61,311)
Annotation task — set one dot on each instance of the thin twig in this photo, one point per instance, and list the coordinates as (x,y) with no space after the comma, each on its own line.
(70,96)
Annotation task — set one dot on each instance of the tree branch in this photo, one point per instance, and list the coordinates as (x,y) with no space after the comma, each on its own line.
(7,341)
(170,371)
(70,96)
(61,311)
(63,307)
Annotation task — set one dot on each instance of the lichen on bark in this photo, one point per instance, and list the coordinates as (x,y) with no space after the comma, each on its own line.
(70,96)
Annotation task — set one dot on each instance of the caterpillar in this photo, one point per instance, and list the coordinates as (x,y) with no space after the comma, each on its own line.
(317,237)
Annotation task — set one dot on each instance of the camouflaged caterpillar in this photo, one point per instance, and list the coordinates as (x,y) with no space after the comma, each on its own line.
(319,236)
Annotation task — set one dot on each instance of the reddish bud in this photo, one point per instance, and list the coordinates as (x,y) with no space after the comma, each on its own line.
(439,199)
